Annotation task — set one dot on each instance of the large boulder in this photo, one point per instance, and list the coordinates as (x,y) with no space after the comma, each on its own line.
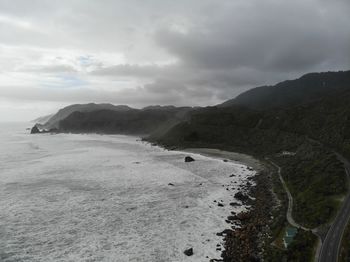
(188,252)
(189,159)
(35,130)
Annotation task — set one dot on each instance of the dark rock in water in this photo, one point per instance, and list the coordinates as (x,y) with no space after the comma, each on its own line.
(234,204)
(170,184)
(35,130)
(188,252)
(225,160)
(189,159)
(241,196)
(225,232)
(220,205)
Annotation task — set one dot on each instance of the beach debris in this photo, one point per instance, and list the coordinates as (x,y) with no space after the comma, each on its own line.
(189,159)
(189,252)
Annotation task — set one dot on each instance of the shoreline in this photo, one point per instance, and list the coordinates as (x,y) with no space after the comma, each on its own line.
(246,243)
(239,158)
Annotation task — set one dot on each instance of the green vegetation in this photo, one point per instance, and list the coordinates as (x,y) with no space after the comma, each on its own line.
(302,248)
(344,255)
(315,178)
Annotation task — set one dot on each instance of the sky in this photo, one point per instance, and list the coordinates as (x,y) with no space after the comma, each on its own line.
(159,52)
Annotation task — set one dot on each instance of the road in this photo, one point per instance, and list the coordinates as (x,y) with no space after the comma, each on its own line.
(290,200)
(332,242)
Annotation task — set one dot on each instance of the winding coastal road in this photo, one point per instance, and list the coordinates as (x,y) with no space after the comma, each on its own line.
(332,242)
(289,216)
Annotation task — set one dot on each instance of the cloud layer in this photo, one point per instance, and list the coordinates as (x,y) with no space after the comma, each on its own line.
(197,52)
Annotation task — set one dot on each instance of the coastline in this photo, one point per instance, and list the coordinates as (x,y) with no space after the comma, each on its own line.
(233,156)
(246,242)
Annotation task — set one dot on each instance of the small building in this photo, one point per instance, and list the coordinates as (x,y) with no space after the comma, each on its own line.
(289,236)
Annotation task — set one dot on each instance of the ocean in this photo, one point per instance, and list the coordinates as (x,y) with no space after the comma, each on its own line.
(91,197)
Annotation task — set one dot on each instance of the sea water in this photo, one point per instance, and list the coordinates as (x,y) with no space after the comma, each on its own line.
(90,197)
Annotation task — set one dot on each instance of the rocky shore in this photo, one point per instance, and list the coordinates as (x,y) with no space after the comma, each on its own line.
(246,243)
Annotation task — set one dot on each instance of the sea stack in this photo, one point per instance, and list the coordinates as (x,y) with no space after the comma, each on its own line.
(35,130)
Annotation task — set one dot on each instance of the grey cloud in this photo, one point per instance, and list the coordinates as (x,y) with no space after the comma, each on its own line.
(269,36)
(51,69)
(132,70)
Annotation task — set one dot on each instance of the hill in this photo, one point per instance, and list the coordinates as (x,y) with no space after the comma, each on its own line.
(53,122)
(305,89)
(156,120)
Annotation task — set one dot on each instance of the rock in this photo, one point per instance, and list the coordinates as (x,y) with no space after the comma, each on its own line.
(189,159)
(244,216)
(220,205)
(225,160)
(241,196)
(35,130)
(170,184)
(189,252)
(234,204)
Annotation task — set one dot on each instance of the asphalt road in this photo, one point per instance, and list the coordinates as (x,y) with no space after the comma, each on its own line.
(331,244)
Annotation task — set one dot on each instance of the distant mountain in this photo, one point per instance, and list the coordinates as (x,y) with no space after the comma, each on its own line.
(53,122)
(305,89)
(133,121)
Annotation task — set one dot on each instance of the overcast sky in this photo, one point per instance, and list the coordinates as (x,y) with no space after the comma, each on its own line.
(141,52)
